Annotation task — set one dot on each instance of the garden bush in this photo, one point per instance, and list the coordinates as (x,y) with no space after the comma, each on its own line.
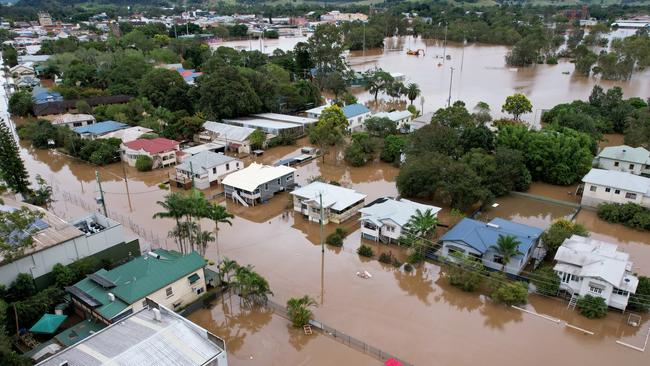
(628,214)
(512,293)
(365,251)
(466,273)
(385,258)
(336,238)
(593,307)
(640,300)
(546,281)
(143,163)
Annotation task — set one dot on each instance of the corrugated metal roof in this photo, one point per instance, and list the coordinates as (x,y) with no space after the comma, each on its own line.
(335,197)
(616,179)
(353,110)
(480,235)
(203,161)
(398,211)
(254,175)
(227,131)
(637,155)
(100,128)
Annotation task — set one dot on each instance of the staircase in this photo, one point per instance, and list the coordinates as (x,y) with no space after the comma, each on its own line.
(573,301)
(239,199)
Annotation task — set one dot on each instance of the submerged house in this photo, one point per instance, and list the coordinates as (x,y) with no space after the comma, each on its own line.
(356,114)
(635,160)
(234,138)
(475,238)
(611,186)
(257,183)
(401,118)
(338,203)
(588,266)
(384,219)
(168,277)
(162,151)
(205,169)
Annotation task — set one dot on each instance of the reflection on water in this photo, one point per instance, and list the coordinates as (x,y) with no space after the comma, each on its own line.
(527,211)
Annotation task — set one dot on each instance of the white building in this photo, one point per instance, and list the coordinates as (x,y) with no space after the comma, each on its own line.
(235,138)
(207,168)
(336,16)
(339,204)
(384,219)
(401,118)
(591,267)
(73,120)
(127,134)
(635,160)
(356,114)
(154,335)
(26,69)
(257,183)
(59,241)
(610,186)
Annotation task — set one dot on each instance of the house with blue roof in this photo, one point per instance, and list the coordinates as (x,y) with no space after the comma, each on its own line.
(476,239)
(99,129)
(42,95)
(355,113)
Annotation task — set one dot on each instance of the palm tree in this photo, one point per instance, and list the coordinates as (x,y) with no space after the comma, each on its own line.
(202,240)
(175,207)
(412,91)
(298,310)
(422,223)
(227,267)
(506,247)
(218,213)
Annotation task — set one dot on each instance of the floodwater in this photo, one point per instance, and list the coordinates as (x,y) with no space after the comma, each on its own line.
(477,68)
(629,240)
(527,211)
(416,316)
(258,336)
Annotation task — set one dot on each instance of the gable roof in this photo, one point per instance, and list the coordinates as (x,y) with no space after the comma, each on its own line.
(227,131)
(480,235)
(637,155)
(203,161)
(137,279)
(100,128)
(616,179)
(595,258)
(353,110)
(335,197)
(399,212)
(72,118)
(394,115)
(152,146)
(254,175)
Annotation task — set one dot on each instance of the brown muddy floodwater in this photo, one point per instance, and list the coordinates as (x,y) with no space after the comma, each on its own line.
(527,211)
(416,316)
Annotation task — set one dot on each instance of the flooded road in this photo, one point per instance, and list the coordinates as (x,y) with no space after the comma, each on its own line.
(527,211)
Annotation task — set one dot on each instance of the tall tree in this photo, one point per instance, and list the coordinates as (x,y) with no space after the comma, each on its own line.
(377,81)
(165,88)
(174,206)
(330,129)
(517,104)
(326,48)
(218,214)
(412,91)
(507,246)
(12,169)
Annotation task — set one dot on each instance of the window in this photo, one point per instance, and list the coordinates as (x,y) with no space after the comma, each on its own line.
(266,186)
(631,196)
(214,170)
(289,178)
(498,259)
(618,291)
(169,292)
(616,163)
(199,290)
(278,181)
(237,165)
(617,191)
(608,189)
(595,290)
(631,166)
(575,278)
(592,188)
(77,124)
(390,228)
(227,167)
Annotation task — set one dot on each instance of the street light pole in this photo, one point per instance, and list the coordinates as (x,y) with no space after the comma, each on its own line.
(451,79)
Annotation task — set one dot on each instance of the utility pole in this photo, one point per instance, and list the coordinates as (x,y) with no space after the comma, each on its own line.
(451,79)
(322,242)
(126,182)
(364,39)
(192,172)
(101,192)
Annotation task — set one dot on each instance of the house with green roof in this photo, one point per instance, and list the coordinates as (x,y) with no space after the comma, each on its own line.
(164,276)
(634,160)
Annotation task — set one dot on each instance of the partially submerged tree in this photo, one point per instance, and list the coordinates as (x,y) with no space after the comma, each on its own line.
(298,310)
(517,104)
(330,129)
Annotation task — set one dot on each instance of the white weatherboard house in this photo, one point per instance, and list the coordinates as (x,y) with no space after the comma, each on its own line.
(356,114)
(611,186)
(635,160)
(339,204)
(401,118)
(74,120)
(208,168)
(257,183)
(235,138)
(384,219)
(592,267)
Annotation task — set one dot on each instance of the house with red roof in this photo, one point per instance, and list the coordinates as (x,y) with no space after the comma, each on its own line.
(164,152)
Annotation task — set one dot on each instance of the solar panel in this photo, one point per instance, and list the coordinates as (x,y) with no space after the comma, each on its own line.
(101,280)
(39,225)
(83,296)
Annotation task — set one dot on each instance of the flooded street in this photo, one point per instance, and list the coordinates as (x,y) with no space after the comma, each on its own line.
(415,315)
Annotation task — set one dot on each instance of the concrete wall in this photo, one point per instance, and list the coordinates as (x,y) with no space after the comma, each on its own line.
(40,263)
(591,198)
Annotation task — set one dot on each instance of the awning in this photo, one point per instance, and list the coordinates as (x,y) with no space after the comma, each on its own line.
(193,278)
(48,323)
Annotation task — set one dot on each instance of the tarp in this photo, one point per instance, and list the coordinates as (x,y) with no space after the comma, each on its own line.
(392,362)
(48,323)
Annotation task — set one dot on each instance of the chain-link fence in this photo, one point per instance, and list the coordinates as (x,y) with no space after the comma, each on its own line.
(341,337)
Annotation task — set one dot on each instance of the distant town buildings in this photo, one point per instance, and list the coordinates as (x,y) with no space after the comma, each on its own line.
(587,266)
(611,186)
(45,20)
(336,16)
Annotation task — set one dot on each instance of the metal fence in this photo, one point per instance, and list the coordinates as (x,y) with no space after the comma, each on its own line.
(341,337)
